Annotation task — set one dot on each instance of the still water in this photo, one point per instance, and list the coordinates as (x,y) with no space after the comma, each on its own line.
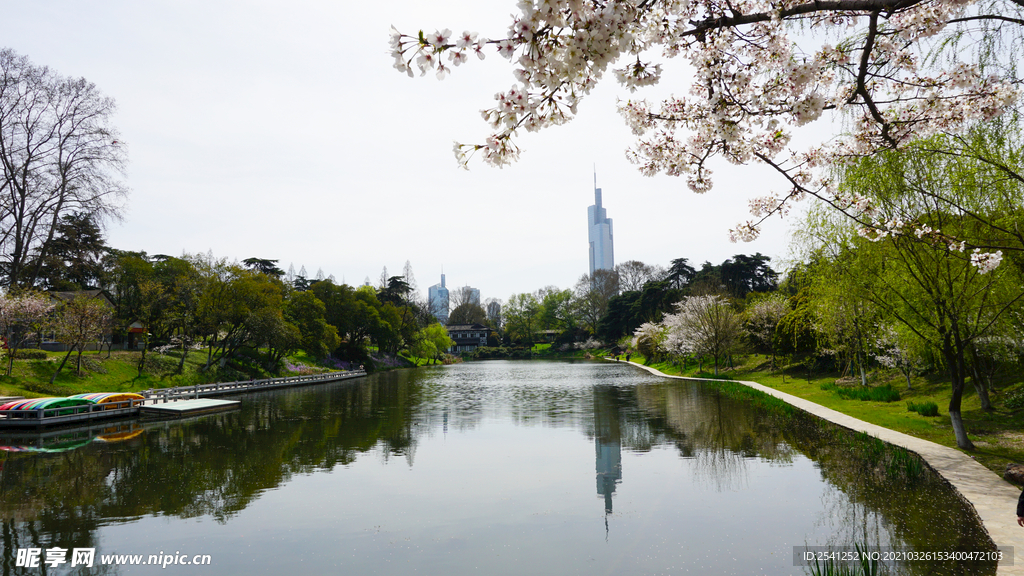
(478,468)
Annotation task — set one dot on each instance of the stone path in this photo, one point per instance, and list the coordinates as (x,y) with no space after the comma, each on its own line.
(994,499)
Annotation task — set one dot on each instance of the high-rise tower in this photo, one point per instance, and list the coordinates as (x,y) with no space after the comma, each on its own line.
(437,295)
(600,234)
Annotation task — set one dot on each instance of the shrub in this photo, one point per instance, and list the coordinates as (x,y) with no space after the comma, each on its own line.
(878,394)
(924,408)
(1015,401)
(47,389)
(31,354)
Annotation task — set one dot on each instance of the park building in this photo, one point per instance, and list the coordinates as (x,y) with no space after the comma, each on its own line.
(467,337)
(599,232)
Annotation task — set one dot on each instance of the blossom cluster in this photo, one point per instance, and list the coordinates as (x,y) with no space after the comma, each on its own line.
(761,68)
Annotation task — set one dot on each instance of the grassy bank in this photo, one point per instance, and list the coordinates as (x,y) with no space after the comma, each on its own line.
(998,435)
(119,372)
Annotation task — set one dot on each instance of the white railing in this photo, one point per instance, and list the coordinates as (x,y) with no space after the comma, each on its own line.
(157,395)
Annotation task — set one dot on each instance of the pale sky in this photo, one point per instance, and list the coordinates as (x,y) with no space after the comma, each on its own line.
(280,130)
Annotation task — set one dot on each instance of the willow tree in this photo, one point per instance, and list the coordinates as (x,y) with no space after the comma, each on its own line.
(939,282)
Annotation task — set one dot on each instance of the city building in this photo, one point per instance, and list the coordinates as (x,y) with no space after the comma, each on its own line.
(437,296)
(470,295)
(599,232)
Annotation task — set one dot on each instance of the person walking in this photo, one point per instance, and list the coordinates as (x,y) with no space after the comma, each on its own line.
(1020,509)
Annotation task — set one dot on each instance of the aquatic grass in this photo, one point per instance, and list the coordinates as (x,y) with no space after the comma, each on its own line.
(865,566)
(894,462)
(757,398)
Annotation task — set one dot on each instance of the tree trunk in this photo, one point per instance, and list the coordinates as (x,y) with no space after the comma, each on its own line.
(979,382)
(61,367)
(12,349)
(142,360)
(982,390)
(184,352)
(909,385)
(78,366)
(955,360)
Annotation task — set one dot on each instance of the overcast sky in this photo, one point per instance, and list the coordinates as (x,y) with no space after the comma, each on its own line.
(280,130)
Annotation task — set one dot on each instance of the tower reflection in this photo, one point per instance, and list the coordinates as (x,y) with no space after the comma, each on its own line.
(607,443)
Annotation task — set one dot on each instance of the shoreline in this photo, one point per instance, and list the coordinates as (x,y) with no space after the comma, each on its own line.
(994,500)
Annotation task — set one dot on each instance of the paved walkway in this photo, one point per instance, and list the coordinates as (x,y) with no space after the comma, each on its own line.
(994,499)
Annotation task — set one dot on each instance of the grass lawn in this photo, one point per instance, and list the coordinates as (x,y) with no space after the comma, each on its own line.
(119,373)
(998,435)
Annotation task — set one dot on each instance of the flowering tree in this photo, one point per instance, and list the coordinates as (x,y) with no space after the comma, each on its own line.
(895,70)
(762,318)
(703,326)
(20,316)
(895,349)
(649,340)
(78,321)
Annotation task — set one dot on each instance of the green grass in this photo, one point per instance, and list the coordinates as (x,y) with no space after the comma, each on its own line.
(998,435)
(119,373)
(923,408)
(869,393)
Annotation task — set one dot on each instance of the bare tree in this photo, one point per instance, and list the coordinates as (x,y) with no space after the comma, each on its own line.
(58,155)
(461,296)
(494,316)
(410,278)
(591,295)
(633,274)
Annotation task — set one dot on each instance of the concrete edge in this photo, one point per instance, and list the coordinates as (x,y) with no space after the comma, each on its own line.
(994,500)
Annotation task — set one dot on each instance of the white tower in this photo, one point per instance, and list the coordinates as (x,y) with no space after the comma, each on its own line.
(600,234)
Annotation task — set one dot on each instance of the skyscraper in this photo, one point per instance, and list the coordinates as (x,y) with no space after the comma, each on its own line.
(600,234)
(437,296)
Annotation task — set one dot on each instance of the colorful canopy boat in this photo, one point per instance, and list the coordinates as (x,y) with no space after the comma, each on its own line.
(38,412)
(110,400)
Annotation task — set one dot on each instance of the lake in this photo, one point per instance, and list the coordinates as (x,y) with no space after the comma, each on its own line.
(494,467)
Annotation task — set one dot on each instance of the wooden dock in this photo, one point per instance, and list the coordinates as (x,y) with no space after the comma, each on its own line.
(184,408)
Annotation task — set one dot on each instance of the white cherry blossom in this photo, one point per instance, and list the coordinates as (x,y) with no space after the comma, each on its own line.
(894,72)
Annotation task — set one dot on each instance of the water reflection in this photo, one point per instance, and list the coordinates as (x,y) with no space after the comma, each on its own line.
(481,467)
(607,444)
